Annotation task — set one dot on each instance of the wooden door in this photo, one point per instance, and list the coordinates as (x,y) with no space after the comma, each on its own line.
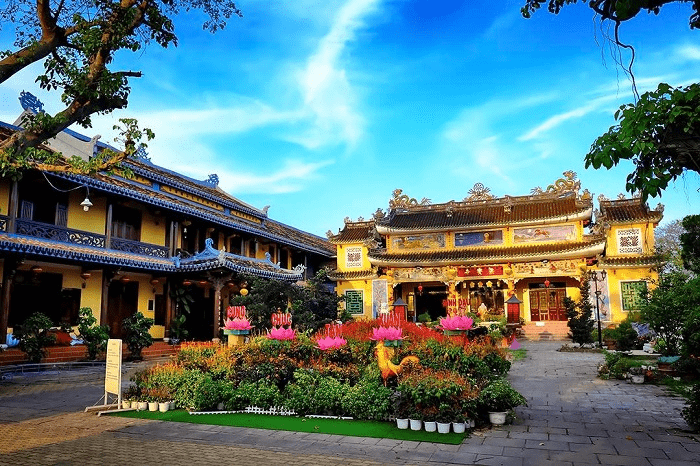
(122,303)
(547,304)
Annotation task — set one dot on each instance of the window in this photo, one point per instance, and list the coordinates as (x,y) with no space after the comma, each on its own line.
(629,241)
(633,294)
(126,223)
(353,257)
(354,301)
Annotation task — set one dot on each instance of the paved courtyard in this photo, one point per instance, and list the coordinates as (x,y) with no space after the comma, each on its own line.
(572,418)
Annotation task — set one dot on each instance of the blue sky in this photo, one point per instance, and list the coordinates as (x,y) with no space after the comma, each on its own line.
(322,109)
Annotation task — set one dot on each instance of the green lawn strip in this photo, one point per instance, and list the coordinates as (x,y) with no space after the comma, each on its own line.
(352,428)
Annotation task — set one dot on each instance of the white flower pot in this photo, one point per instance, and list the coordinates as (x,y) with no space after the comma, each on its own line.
(416,424)
(153,406)
(497,418)
(430,426)
(459,427)
(142,405)
(172,405)
(637,378)
(443,427)
(402,423)
(163,406)
(126,404)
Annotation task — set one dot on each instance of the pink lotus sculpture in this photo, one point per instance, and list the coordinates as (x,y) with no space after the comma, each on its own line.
(331,343)
(387,333)
(281,333)
(237,324)
(457,323)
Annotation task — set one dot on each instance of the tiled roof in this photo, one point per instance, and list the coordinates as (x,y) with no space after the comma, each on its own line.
(354,232)
(503,211)
(354,275)
(589,247)
(82,254)
(631,261)
(628,211)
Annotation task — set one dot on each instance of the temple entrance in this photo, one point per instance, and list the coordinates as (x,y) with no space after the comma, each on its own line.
(431,300)
(547,304)
(122,302)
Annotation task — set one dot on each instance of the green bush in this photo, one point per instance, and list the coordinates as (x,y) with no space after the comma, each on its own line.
(185,393)
(34,336)
(136,335)
(94,336)
(499,395)
(691,413)
(207,394)
(368,399)
(625,336)
(313,393)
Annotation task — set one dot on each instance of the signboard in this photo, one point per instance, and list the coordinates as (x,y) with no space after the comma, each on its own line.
(482,271)
(113,368)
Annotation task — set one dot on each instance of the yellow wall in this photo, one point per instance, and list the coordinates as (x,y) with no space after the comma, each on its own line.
(153,229)
(615,277)
(647,231)
(366,287)
(342,266)
(5,186)
(94,220)
(146,294)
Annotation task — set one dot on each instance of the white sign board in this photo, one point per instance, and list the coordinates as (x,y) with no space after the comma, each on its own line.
(113,369)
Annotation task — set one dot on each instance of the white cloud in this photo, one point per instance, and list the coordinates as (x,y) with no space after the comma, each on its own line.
(688,52)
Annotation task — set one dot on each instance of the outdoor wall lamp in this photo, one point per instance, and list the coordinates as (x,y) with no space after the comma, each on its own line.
(86,204)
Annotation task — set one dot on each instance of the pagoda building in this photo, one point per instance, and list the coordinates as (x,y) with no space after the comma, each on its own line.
(472,256)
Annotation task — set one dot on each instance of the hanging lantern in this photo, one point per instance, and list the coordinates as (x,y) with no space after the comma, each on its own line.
(546,283)
(186,282)
(244,292)
(36,269)
(420,289)
(125,279)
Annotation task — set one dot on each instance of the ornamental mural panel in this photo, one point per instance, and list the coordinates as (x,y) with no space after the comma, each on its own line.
(480,238)
(380,299)
(629,241)
(632,294)
(532,235)
(353,257)
(419,241)
(354,301)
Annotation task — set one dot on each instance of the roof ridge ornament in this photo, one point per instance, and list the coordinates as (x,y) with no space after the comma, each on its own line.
(563,185)
(479,192)
(212,180)
(402,201)
(29,101)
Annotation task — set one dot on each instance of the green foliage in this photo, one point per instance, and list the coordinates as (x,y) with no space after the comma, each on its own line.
(208,393)
(34,337)
(177,327)
(424,318)
(580,315)
(369,399)
(625,336)
(136,333)
(311,392)
(658,133)
(691,412)
(185,391)
(690,243)
(77,42)
(499,396)
(94,336)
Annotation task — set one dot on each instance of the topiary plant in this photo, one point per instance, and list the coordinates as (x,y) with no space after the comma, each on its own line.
(94,336)
(136,335)
(34,336)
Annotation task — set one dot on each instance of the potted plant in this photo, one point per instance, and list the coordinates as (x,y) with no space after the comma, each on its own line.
(178,330)
(34,336)
(137,336)
(430,414)
(499,397)
(636,374)
(458,423)
(445,415)
(94,336)
(130,395)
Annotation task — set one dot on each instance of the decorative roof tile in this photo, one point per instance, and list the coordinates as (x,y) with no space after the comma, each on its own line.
(354,275)
(632,261)
(487,213)
(354,232)
(627,211)
(589,247)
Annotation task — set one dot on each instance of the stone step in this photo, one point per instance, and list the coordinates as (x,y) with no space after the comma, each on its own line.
(545,331)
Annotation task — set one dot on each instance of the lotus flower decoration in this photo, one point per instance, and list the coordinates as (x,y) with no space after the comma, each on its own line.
(281,333)
(237,324)
(331,343)
(387,333)
(457,323)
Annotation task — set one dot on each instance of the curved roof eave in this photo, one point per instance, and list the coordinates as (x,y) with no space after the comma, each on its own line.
(589,251)
(583,214)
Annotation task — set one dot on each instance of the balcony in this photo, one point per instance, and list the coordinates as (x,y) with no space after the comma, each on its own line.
(83,238)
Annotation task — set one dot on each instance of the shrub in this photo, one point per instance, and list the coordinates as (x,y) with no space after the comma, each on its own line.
(207,394)
(625,336)
(136,335)
(691,413)
(34,336)
(580,315)
(499,395)
(312,393)
(94,336)
(368,399)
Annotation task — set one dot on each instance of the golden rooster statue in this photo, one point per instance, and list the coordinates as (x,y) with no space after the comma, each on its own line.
(388,368)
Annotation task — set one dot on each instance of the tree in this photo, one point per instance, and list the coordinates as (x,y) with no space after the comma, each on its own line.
(78,41)
(668,244)
(690,244)
(660,132)
(580,315)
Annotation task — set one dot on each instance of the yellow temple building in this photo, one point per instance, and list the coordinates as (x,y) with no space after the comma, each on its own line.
(475,254)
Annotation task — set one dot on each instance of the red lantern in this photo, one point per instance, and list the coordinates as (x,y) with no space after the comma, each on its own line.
(420,288)
(546,283)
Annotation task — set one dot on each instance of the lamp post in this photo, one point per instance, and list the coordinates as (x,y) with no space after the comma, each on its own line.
(593,275)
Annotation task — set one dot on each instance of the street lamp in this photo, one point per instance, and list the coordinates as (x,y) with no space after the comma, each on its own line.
(593,276)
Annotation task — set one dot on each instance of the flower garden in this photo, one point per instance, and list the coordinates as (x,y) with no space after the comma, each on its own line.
(367,370)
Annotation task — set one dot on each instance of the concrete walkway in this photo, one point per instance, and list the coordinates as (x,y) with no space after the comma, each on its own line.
(572,418)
